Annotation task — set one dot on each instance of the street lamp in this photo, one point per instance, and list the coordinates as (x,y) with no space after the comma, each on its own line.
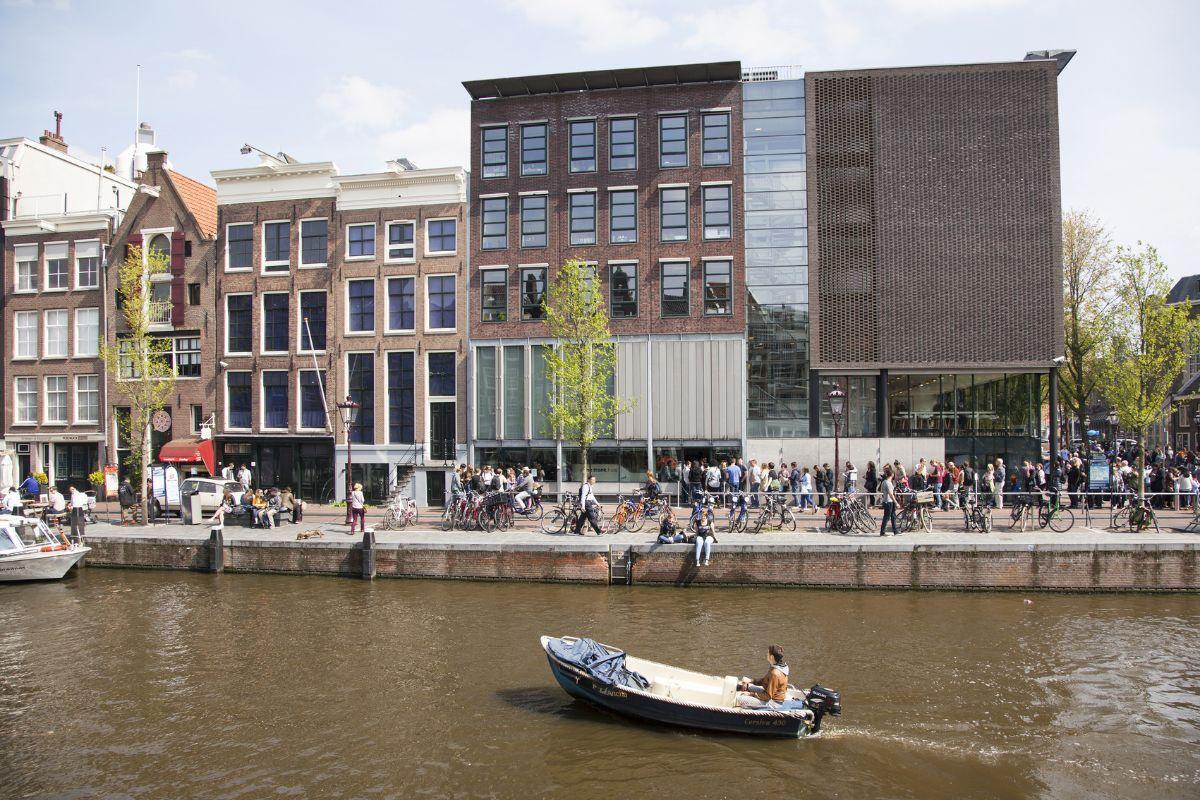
(1112,424)
(837,404)
(349,412)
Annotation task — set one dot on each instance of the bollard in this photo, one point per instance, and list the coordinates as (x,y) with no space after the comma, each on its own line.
(368,554)
(216,548)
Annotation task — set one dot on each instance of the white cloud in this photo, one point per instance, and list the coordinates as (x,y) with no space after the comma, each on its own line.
(358,104)
(442,139)
(941,8)
(182,80)
(600,24)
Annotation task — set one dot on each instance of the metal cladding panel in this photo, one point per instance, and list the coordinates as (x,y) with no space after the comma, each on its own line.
(631,384)
(934,217)
(697,389)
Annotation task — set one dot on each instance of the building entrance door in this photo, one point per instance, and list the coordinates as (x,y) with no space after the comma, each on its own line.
(435,488)
(73,463)
(315,476)
(441,431)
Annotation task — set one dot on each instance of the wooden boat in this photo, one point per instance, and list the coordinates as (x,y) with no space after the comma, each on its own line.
(30,551)
(634,687)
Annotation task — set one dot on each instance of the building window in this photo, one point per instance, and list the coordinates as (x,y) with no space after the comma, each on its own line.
(312,398)
(495,223)
(312,321)
(276,322)
(717,206)
(25,343)
(239,246)
(673,214)
(197,419)
(533,292)
(55,322)
(485,393)
(277,246)
(361,383)
(27,404)
(402,304)
(718,288)
(674,283)
(185,356)
(193,294)
(57,274)
(314,242)
(237,400)
(239,323)
(493,287)
(87,398)
(360,241)
(715,128)
(360,316)
(87,332)
(442,393)
(441,375)
(514,392)
(400,241)
(275,399)
(672,140)
(56,399)
(622,290)
(440,237)
(87,265)
(401,379)
(533,149)
(495,152)
(622,216)
(26,257)
(583,217)
(622,143)
(440,291)
(533,220)
(583,145)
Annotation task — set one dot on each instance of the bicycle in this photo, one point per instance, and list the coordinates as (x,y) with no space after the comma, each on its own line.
(400,513)
(1142,516)
(738,514)
(976,516)
(564,516)
(621,517)
(1054,516)
(787,520)
(533,506)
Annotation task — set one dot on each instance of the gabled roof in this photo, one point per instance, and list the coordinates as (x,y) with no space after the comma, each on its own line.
(201,201)
(1185,290)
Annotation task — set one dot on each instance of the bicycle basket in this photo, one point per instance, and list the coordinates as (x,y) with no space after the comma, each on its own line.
(924,498)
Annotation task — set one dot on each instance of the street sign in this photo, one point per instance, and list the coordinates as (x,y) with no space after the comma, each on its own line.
(161,421)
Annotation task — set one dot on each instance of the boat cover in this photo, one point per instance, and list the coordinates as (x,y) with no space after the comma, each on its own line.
(589,655)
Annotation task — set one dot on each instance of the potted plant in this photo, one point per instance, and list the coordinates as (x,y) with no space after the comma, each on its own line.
(43,482)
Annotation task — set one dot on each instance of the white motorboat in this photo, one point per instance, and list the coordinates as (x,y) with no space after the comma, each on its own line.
(30,551)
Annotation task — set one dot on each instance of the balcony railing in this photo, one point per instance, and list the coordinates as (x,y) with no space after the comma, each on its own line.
(160,312)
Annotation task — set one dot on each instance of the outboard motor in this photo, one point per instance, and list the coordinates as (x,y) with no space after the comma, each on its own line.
(822,701)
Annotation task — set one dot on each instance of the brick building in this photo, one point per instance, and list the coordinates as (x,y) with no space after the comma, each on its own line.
(58,216)
(638,172)
(330,286)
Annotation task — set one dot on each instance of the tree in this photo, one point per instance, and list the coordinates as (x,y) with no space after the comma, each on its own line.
(583,359)
(1088,297)
(1149,345)
(140,363)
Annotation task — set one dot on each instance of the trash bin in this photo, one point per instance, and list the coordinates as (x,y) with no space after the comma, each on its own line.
(192,512)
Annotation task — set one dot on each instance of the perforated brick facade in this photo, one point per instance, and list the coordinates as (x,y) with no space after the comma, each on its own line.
(934,217)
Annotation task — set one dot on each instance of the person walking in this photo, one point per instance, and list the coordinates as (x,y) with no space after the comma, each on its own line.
(588,506)
(887,495)
(806,491)
(358,509)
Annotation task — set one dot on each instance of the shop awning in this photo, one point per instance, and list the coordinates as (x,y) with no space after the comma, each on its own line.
(189,451)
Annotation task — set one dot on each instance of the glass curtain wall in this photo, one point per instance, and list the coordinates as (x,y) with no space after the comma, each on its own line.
(776,223)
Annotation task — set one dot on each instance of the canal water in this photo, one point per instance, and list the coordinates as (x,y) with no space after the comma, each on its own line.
(179,685)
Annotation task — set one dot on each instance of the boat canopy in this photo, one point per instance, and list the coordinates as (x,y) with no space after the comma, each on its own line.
(589,655)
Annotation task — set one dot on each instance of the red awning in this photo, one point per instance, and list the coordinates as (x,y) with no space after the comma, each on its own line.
(189,451)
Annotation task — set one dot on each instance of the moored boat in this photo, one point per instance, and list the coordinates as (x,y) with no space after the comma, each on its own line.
(30,551)
(634,687)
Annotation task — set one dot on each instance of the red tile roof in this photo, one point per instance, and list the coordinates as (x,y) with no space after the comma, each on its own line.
(201,200)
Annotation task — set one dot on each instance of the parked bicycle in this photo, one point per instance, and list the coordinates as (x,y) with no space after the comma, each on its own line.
(775,507)
(399,513)
(976,516)
(1054,516)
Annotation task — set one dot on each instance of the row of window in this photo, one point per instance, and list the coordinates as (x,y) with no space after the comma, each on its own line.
(582,150)
(55,333)
(673,216)
(674,290)
(276,392)
(181,352)
(311,316)
(52,272)
(54,400)
(362,243)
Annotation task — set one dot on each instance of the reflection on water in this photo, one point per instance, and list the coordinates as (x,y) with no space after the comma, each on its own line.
(144,684)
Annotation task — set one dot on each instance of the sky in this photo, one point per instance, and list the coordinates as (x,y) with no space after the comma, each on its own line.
(359,83)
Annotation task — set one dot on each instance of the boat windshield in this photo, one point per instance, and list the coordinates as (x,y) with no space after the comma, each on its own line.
(34,533)
(9,540)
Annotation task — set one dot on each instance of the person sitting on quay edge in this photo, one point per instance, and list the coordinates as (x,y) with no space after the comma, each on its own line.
(668,529)
(770,690)
(704,539)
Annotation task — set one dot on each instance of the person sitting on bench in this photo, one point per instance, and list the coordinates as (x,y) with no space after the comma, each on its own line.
(56,504)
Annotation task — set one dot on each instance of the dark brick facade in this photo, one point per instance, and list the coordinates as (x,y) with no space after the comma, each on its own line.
(934,217)
(646,103)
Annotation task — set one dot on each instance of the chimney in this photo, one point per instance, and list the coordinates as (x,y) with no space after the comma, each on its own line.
(55,139)
(156,159)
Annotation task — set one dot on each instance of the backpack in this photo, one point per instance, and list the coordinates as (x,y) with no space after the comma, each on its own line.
(714,477)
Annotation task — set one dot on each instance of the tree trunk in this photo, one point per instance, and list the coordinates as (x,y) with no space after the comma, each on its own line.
(1141,478)
(146,495)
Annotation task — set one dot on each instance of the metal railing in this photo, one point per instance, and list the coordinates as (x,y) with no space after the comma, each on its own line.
(160,312)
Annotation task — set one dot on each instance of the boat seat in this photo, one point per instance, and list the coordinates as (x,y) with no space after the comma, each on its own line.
(687,691)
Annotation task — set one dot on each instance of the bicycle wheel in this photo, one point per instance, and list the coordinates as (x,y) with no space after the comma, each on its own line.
(537,513)
(864,522)
(926,520)
(741,521)
(1062,520)
(556,522)
(415,515)
(1137,518)
(762,520)
(504,517)
(787,520)
(1016,514)
(635,520)
(487,520)
(447,520)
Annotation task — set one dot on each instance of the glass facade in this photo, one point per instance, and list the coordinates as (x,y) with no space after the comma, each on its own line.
(775,203)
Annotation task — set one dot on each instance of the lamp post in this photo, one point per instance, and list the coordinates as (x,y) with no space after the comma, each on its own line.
(1112,424)
(837,404)
(349,412)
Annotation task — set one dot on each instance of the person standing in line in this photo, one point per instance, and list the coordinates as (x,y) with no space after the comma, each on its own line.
(734,478)
(358,509)
(850,479)
(1000,477)
(818,479)
(830,481)
(794,482)
(754,480)
(871,483)
(587,506)
(806,490)
(685,483)
(79,504)
(887,495)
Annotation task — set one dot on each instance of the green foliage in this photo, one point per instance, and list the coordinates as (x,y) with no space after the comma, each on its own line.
(583,361)
(1089,293)
(1149,345)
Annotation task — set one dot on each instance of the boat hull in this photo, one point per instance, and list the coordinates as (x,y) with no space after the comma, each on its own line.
(644,706)
(41,566)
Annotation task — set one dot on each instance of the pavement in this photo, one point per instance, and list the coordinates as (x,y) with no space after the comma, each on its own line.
(947,530)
